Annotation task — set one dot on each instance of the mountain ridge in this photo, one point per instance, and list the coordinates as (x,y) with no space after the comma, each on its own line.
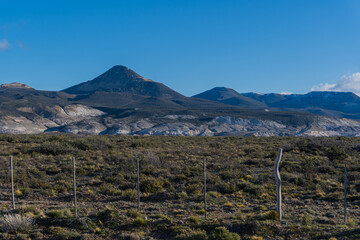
(327,103)
(120,101)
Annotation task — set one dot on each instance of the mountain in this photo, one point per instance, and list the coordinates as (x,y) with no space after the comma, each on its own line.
(329,100)
(120,101)
(330,104)
(333,104)
(231,97)
(269,98)
(122,79)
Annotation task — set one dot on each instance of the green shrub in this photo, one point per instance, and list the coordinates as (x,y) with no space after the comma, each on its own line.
(151,185)
(193,235)
(109,189)
(140,222)
(221,233)
(133,213)
(108,214)
(194,189)
(271,215)
(182,195)
(22,236)
(129,194)
(226,187)
(30,211)
(336,153)
(131,236)
(213,194)
(25,191)
(333,197)
(251,188)
(306,220)
(53,148)
(63,233)
(194,219)
(49,192)
(256,238)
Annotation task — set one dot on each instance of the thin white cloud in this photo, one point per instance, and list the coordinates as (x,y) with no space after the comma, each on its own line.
(21,45)
(347,83)
(4,44)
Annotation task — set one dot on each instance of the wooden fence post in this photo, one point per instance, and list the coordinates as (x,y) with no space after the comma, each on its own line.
(74,181)
(345,191)
(205,207)
(12,180)
(278,183)
(138,183)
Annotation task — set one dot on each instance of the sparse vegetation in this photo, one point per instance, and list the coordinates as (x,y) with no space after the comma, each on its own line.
(241,188)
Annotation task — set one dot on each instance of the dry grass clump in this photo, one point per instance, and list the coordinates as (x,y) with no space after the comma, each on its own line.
(16,223)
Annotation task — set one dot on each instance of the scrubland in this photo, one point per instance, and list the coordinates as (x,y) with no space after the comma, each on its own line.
(241,195)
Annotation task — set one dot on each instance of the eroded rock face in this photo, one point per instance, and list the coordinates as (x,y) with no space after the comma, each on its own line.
(79,119)
(82,119)
(70,114)
(14,85)
(23,125)
(31,121)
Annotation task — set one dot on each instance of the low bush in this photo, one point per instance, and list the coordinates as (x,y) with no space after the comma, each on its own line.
(133,213)
(193,235)
(271,215)
(129,194)
(140,222)
(194,219)
(182,195)
(16,223)
(151,185)
(221,233)
(109,189)
(63,233)
(30,211)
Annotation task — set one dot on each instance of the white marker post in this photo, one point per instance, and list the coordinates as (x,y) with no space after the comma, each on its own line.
(12,180)
(278,183)
(74,181)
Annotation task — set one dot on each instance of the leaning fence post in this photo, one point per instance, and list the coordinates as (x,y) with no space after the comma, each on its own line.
(345,191)
(12,180)
(205,207)
(278,183)
(74,181)
(138,183)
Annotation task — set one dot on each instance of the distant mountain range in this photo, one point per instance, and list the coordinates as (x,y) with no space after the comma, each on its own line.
(120,101)
(333,104)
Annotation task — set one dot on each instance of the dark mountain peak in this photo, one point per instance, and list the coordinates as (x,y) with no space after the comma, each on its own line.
(122,79)
(221,89)
(120,73)
(218,93)
(229,96)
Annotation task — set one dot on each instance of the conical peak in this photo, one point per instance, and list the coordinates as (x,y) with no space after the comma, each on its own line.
(122,72)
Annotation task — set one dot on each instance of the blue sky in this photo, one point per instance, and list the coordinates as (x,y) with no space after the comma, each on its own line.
(191,46)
